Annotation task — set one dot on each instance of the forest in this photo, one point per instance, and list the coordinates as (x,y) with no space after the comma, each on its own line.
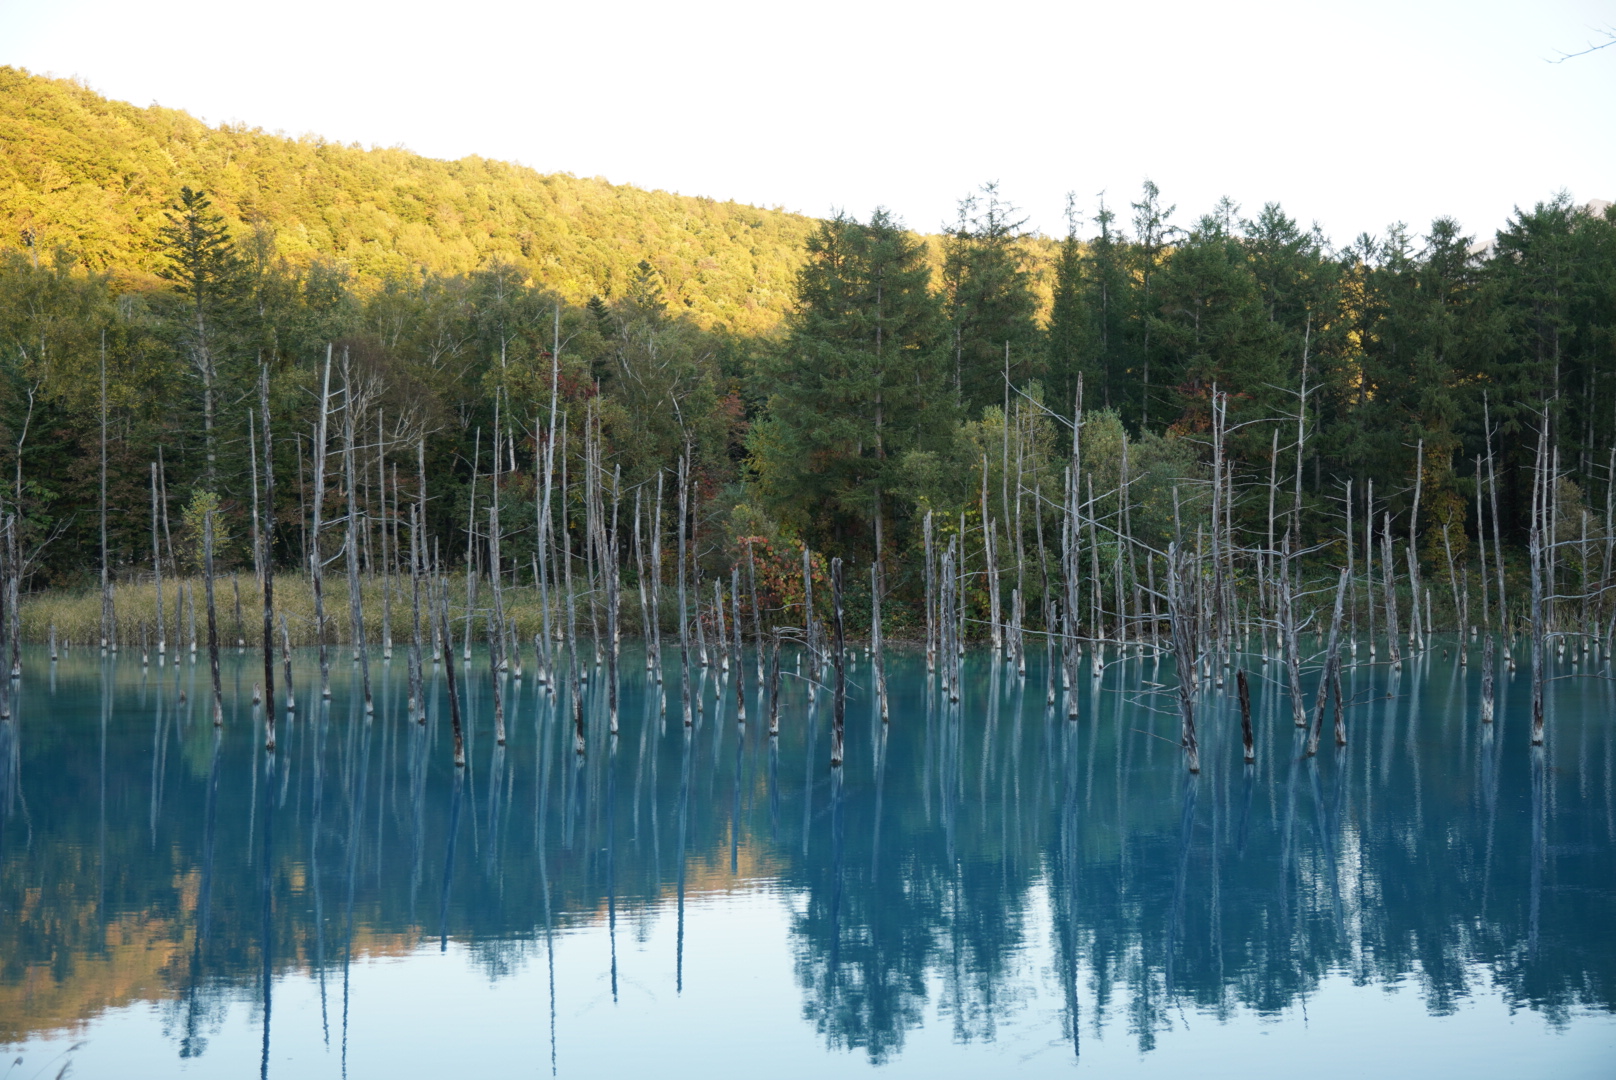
(482,334)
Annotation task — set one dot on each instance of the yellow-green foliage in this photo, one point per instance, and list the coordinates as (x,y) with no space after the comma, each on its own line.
(94,176)
(76,614)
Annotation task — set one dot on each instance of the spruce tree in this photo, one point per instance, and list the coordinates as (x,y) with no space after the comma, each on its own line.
(205,268)
(989,301)
(858,381)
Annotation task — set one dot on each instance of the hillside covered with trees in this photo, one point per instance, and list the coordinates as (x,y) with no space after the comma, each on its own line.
(93,176)
(833,381)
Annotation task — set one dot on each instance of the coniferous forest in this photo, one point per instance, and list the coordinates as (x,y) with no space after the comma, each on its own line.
(480,334)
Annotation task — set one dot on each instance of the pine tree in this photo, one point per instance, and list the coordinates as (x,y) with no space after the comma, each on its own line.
(204,267)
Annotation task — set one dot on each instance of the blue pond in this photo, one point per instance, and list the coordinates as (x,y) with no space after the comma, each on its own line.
(981,889)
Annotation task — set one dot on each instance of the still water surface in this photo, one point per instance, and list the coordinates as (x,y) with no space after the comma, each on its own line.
(982,889)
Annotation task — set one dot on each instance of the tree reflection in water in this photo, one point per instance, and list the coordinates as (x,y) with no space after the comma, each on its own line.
(965,858)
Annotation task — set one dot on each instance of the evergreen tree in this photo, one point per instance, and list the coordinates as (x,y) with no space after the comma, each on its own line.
(1552,278)
(859,380)
(989,301)
(1107,288)
(1212,330)
(1152,233)
(1069,342)
(203,265)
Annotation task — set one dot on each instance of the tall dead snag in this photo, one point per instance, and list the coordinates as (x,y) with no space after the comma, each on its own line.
(990,562)
(389,528)
(612,553)
(721,632)
(157,568)
(5,615)
(639,575)
(931,597)
(876,644)
(809,626)
(1332,669)
(356,614)
(546,547)
(1388,579)
(757,616)
(1246,740)
(107,621)
(1535,554)
(495,576)
(1541,485)
(684,608)
(496,621)
(286,662)
(1289,634)
(1487,680)
(1181,617)
(417,700)
(574,675)
(316,558)
(739,663)
(213,615)
(241,625)
(267,553)
(449,672)
(495,634)
(656,594)
(838,646)
(774,685)
(471,538)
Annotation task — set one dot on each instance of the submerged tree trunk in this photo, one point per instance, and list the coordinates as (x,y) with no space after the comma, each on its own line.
(1331,673)
(316,557)
(213,616)
(1184,656)
(267,570)
(1487,680)
(449,673)
(838,647)
(1245,717)
(356,614)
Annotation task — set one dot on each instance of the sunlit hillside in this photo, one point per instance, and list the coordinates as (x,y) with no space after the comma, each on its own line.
(94,175)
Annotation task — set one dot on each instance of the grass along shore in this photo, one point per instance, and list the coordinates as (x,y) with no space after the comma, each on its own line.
(76,615)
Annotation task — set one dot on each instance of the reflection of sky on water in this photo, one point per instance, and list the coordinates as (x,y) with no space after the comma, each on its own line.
(1431,898)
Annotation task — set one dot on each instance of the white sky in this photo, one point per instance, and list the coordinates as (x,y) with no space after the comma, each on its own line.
(1352,115)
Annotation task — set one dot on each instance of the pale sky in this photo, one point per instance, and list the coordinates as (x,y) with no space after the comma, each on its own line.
(1353,115)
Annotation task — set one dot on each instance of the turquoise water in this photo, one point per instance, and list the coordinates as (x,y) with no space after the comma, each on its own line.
(981,889)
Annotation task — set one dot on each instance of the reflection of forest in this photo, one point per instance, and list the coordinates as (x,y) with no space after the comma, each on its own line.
(142,858)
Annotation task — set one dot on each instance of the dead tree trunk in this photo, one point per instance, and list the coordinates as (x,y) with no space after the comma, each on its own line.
(157,567)
(356,614)
(739,661)
(316,558)
(684,607)
(774,685)
(838,647)
(267,570)
(213,616)
(449,672)
(1332,665)
(1288,634)
(1184,656)
(1487,679)
(1245,717)
(877,646)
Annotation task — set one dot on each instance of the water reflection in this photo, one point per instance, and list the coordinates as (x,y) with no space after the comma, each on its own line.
(969,860)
